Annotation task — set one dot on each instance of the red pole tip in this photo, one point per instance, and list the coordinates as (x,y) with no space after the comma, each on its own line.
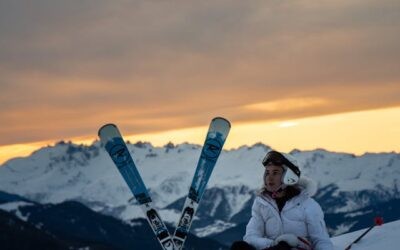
(378,221)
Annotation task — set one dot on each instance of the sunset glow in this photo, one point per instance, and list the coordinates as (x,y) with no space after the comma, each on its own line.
(376,131)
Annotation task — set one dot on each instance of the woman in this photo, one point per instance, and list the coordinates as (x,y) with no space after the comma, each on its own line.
(284,216)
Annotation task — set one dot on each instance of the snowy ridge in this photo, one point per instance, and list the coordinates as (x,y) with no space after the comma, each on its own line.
(14,207)
(68,171)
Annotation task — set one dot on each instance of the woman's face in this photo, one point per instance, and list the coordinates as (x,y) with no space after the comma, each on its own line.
(273,177)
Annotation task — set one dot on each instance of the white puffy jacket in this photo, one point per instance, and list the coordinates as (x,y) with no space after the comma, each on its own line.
(301,216)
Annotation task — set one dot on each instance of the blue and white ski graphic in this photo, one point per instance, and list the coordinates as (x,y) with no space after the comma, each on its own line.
(115,146)
(215,139)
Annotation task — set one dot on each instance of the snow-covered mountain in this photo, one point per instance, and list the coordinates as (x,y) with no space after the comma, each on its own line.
(67,171)
(70,225)
(29,225)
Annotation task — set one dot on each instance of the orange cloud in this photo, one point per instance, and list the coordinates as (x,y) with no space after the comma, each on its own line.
(285,105)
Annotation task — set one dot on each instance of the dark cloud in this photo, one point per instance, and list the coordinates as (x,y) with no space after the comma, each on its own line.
(68,66)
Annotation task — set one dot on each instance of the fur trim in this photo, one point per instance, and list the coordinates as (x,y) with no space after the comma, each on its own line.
(307,185)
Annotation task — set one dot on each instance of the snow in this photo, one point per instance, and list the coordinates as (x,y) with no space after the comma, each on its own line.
(14,207)
(381,237)
(217,227)
(355,214)
(135,224)
(169,216)
(342,228)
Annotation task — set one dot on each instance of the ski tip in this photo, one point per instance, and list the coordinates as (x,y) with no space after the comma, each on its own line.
(104,127)
(221,119)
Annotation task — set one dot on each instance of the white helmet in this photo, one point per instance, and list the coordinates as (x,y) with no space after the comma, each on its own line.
(291,171)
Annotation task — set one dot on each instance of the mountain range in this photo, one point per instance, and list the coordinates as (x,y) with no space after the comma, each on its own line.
(72,225)
(351,189)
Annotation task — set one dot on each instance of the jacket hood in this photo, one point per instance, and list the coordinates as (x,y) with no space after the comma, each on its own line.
(307,186)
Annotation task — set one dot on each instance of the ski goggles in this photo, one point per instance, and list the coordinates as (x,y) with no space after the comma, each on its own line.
(278,159)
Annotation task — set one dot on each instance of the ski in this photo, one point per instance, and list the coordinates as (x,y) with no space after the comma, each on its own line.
(215,139)
(114,144)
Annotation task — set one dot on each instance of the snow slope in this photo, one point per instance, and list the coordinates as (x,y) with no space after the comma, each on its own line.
(384,237)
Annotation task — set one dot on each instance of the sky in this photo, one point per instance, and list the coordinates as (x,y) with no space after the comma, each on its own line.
(290,74)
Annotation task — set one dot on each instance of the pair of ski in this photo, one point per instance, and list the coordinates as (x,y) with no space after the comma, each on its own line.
(115,146)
